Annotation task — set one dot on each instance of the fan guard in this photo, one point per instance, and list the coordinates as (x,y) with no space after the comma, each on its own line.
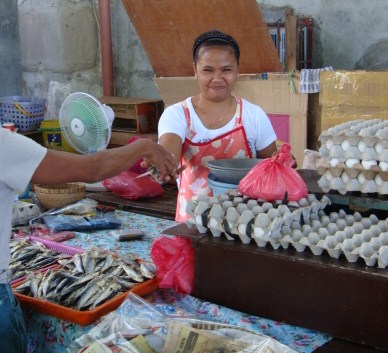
(86,123)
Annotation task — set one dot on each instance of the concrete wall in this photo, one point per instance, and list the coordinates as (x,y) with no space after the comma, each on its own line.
(59,44)
(59,49)
(10,73)
(348,35)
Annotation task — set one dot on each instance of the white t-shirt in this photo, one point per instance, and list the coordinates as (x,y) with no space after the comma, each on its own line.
(19,158)
(258,127)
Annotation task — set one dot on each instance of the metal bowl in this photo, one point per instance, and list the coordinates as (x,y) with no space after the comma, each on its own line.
(231,170)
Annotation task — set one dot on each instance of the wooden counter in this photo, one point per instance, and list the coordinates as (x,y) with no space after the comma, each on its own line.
(162,206)
(345,300)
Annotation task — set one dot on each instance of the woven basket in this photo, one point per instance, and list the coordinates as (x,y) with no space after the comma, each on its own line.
(25,112)
(60,195)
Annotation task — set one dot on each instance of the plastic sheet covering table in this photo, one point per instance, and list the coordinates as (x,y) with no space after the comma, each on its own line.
(48,334)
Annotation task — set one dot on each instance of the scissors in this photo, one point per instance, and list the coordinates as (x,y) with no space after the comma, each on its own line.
(150,171)
(154,172)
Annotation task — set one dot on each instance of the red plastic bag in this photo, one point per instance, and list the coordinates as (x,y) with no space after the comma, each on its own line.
(136,168)
(274,178)
(174,261)
(124,185)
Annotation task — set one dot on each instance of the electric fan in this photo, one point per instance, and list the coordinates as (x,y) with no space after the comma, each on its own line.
(85,122)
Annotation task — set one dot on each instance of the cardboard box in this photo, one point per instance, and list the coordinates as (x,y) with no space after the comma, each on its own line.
(136,115)
(350,95)
(121,138)
(273,94)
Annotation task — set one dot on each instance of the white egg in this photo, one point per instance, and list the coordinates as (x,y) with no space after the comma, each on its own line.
(378,179)
(383,166)
(361,146)
(368,164)
(329,144)
(378,147)
(345,145)
(351,162)
(334,162)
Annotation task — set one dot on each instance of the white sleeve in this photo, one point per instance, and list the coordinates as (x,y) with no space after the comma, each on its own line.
(19,158)
(173,121)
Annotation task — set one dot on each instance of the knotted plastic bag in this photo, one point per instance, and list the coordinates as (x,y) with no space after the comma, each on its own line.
(125,185)
(274,179)
(174,261)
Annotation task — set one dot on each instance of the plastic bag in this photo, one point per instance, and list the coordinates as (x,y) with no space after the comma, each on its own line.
(174,261)
(125,185)
(274,179)
(59,223)
(136,168)
(139,326)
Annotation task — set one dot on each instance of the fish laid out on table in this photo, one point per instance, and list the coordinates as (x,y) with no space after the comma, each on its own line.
(87,280)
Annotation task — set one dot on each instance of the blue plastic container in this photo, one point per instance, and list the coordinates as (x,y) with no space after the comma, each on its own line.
(219,187)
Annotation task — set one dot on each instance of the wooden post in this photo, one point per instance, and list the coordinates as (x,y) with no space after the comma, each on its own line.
(291,31)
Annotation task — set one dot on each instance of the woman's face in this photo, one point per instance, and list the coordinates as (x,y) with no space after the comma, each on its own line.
(216,71)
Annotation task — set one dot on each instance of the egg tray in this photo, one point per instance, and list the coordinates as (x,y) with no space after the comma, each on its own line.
(357,140)
(354,157)
(303,225)
(346,180)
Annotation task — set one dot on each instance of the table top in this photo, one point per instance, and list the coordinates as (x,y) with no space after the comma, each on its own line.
(47,334)
(161,206)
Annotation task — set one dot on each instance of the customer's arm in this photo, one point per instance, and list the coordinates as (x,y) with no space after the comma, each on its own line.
(59,167)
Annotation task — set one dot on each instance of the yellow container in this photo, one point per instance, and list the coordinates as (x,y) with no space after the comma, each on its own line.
(53,137)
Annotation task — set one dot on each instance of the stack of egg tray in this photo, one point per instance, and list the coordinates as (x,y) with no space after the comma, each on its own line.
(354,157)
(303,225)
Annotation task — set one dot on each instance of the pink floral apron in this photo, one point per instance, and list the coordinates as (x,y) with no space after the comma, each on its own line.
(193,180)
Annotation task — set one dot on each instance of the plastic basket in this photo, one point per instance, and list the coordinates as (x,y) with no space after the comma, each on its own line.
(25,112)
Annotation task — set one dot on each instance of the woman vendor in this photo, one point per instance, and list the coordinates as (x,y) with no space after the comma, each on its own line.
(215,124)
